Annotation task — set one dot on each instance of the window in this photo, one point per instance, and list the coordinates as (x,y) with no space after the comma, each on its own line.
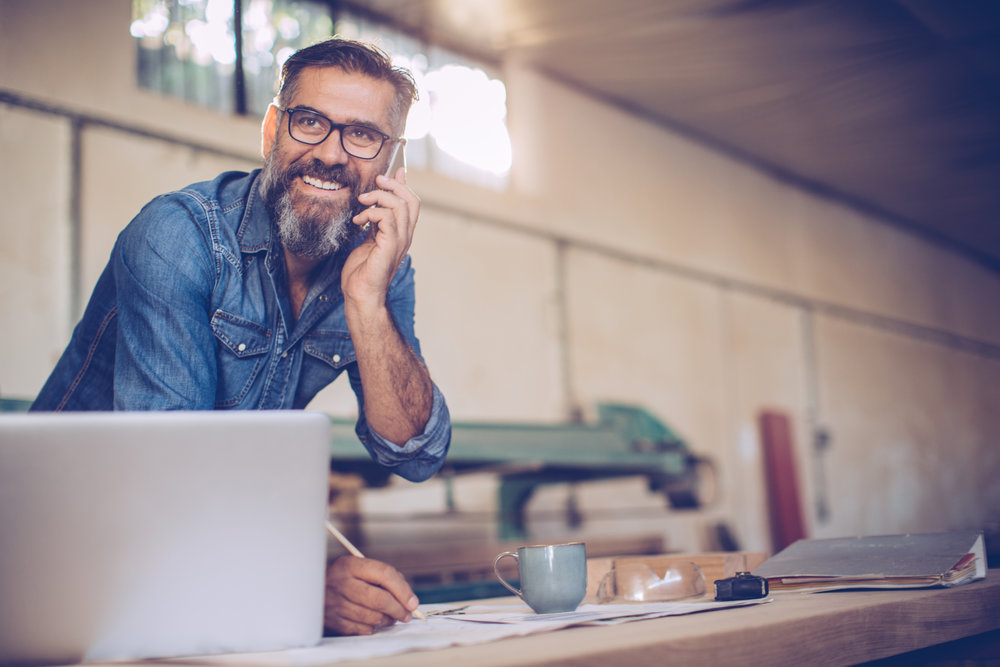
(189,49)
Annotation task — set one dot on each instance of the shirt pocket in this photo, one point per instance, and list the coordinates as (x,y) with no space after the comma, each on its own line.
(327,353)
(243,347)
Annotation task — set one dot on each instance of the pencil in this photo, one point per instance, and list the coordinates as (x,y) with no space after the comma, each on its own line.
(357,553)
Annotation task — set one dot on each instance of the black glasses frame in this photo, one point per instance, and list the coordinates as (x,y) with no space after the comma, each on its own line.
(340,127)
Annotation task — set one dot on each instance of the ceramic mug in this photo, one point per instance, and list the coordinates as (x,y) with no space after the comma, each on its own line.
(553,576)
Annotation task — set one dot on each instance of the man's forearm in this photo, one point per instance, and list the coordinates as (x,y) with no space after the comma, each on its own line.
(396,384)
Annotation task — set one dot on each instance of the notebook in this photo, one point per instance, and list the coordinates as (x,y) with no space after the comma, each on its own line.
(913,560)
(159,534)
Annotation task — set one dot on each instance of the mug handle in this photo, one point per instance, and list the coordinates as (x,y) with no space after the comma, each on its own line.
(503,581)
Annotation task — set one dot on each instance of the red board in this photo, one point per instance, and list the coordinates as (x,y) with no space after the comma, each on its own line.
(781,475)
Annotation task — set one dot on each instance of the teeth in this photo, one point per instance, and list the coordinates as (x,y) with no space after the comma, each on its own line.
(324,185)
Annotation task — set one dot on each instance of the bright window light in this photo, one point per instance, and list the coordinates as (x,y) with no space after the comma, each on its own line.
(468,113)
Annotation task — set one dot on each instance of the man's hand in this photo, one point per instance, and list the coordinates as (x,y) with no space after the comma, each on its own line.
(392,210)
(364,594)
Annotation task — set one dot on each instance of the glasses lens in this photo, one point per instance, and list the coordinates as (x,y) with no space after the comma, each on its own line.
(308,127)
(361,141)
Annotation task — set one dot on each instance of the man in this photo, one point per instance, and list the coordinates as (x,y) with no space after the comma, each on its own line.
(255,291)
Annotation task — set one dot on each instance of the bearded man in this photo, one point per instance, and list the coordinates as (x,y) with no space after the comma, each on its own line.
(255,291)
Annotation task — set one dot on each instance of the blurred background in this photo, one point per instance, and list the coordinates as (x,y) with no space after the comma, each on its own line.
(763,234)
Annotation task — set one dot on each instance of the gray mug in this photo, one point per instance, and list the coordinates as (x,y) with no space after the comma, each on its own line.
(553,576)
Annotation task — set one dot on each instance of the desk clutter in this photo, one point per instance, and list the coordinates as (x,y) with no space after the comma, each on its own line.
(481,621)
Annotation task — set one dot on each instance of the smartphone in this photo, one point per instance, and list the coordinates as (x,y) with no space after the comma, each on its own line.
(397,158)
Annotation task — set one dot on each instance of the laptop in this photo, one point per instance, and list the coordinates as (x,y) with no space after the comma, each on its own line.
(161,534)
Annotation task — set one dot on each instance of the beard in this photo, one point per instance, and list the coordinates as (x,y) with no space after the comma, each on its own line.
(310,227)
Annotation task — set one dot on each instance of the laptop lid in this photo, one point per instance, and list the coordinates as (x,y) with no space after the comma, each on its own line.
(156,534)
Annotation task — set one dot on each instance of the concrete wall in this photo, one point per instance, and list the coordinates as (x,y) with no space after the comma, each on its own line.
(665,275)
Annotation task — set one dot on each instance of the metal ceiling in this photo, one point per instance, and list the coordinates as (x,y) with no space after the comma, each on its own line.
(892,106)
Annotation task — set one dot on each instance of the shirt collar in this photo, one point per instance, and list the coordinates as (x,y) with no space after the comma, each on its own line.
(256,233)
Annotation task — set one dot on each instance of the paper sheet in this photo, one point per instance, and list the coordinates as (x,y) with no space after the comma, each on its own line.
(590,614)
(467,624)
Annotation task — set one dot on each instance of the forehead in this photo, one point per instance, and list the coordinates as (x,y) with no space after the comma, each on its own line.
(346,97)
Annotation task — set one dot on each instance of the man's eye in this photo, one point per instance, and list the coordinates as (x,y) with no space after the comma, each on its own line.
(307,122)
(363,134)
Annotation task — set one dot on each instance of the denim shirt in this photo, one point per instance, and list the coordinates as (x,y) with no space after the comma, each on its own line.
(192,312)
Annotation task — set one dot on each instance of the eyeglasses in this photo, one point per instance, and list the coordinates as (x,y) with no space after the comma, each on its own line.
(309,127)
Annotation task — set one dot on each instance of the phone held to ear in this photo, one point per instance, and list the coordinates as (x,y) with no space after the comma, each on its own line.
(397,158)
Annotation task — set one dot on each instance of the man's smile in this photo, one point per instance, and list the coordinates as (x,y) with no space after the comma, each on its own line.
(322,185)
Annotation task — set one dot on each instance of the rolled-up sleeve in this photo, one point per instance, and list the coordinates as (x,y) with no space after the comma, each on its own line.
(421,456)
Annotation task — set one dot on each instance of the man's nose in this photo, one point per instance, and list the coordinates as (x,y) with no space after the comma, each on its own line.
(331,150)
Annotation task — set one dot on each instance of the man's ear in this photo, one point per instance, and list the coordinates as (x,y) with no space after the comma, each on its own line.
(268,131)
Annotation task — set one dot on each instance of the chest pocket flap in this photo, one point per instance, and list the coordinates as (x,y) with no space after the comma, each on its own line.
(332,347)
(241,336)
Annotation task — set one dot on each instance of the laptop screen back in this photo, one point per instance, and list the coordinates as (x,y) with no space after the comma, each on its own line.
(132,535)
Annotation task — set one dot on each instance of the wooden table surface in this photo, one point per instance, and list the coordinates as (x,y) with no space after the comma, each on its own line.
(833,628)
(796,628)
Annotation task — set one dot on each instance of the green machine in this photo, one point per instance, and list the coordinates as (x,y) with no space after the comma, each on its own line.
(625,441)
(14,404)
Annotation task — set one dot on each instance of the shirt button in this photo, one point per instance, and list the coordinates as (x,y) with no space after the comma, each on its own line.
(241,347)
(336,358)
(284,355)
(323,298)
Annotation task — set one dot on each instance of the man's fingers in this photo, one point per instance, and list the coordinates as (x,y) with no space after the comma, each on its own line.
(346,617)
(374,597)
(364,593)
(399,188)
(396,196)
(387,589)
(383,217)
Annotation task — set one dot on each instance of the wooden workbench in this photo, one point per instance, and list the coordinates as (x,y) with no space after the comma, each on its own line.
(835,628)
(899,628)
